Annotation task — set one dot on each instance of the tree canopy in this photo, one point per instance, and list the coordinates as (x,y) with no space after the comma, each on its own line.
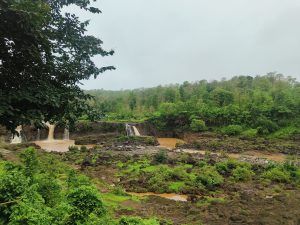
(264,103)
(44,54)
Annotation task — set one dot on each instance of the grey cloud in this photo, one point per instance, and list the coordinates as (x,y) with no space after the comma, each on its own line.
(170,41)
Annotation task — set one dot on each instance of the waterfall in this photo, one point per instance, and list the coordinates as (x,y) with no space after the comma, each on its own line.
(132,130)
(129,130)
(51,131)
(17,138)
(136,131)
(38,135)
(66,134)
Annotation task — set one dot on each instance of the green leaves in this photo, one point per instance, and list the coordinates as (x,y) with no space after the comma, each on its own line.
(44,54)
(84,200)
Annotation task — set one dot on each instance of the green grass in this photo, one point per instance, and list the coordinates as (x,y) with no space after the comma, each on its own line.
(114,201)
(285,133)
(176,186)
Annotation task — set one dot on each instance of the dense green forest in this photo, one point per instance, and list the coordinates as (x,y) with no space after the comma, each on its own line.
(260,105)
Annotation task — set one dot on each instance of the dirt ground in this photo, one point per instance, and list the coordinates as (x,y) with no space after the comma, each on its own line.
(253,204)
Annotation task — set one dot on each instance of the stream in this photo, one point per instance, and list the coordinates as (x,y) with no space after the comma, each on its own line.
(58,145)
(171,196)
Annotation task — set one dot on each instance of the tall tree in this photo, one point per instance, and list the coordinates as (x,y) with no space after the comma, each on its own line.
(44,54)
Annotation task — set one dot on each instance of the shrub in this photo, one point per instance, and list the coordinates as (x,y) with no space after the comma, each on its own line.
(226,167)
(137,221)
(250,133)
(83,148)
(293,170)
(209,177)
(48,188)
(73,148)
(85,200)
(242,174)
(232,130)
(198,125)
(265,126)
(287,132)
(160,157)
(119,191)
(277,174)
(29,158)
(30,209)
(13,183)
(158,178)
(176,186)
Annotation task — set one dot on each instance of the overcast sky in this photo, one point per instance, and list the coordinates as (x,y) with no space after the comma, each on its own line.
(170,41)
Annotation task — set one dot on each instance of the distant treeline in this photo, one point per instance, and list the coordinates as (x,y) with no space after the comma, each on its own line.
(244,104)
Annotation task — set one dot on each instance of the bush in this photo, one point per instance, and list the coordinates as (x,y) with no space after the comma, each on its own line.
(73,148)
(265,126)
(226,167)
(250,133)
(83,148)
(137,221)
(158,179)
(84,200)
(287,132)
(176,187)
(210,177)
(48,188)
(242,174)
(160,157)
(293,170)
(277,174)
(232,130)
(119,191)
(198,125)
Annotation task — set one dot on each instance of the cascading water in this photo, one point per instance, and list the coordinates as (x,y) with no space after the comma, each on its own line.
(38,135)
(66,134)
(136,131)
(17,138)
(129,130)
(132,130)
(51,131)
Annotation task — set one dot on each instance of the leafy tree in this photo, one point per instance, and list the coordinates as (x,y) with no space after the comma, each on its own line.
(198,125)
(13,184)
(222,97)
(260,105)
(132,101)
(29,158)
(233,130)
(84,200)
(44,54)
(31,209)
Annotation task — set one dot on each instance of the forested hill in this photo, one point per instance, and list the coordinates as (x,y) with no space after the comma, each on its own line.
(261,104)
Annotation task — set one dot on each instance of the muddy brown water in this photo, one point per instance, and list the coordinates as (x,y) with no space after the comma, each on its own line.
(169,142)
(58,145)
(171,196)
(277,157)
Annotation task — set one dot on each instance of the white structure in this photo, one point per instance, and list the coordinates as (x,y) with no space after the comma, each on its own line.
(17,138)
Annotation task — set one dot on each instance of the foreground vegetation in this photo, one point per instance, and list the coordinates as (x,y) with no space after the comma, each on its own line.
(43,190)
(91,186)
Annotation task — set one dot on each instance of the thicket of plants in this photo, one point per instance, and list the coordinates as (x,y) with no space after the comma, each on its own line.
(243,105)
(162,174)
(46,191)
